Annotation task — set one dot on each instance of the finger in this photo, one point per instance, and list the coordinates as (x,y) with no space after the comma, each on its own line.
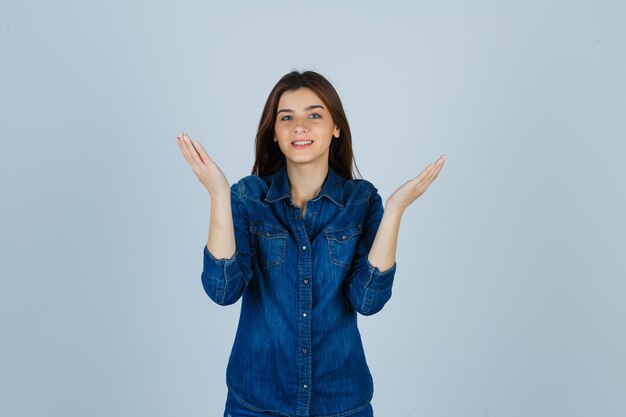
(428,175)
(192,146)
(433,175)
(194,158)
(188,152)
(424,173)
(181,144)
(435,169)
(203,154)
(428,172)
(184,149)
(436,166)
(179,141)
(439,165)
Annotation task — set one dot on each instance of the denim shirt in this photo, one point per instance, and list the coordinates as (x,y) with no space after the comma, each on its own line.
(297,350)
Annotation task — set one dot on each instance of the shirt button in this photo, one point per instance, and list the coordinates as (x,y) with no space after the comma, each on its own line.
(304,350)
(303,314)
(305,385)
(306,281)
(304,248)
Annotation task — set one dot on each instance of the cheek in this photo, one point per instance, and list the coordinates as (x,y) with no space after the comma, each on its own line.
(326,127)
(280,132)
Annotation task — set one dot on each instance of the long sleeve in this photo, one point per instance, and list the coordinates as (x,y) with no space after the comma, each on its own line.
(225,279)
(368,288)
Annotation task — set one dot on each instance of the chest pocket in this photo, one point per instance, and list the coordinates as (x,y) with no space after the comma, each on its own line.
(342,244)
(268,243)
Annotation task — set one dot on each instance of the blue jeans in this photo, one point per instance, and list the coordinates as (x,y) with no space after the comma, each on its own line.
(235,409)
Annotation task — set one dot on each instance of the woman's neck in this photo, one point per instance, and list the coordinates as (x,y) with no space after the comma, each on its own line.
(305,182)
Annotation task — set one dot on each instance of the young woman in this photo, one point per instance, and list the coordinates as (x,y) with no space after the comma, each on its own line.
(306,246)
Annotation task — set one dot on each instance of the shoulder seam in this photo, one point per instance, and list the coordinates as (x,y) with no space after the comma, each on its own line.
(369,196)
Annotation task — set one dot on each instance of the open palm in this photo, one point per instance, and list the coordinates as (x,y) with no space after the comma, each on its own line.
(410,190)
(207,171)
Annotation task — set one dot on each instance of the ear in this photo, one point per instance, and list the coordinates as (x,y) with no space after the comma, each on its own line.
(336,132)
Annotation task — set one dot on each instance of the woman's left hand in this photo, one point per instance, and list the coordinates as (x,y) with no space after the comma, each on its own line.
(410,190)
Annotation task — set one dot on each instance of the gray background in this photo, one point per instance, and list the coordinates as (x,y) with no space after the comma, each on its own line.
(509,294)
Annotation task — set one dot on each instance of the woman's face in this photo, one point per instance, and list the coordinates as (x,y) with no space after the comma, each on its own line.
(302,116)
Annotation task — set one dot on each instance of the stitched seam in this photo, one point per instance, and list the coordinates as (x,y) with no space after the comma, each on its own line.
(215,279)
(219,291)
(257,229)
(280,259)
(366,304)
(351,231)
(251,407)
(378,291)
(235,276)
(350,412)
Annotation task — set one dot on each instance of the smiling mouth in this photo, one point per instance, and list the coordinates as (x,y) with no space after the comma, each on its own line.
(301,144)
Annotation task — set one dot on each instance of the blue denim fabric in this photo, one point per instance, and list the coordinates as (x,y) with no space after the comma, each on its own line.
(298,351)
(234,408)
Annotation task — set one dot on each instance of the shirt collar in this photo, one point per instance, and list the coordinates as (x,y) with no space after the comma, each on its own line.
(332,187)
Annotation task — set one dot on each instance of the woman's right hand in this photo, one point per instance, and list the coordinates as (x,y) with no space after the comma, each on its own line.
(209,174)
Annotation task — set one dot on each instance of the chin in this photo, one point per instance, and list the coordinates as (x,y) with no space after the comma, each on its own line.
(305,159)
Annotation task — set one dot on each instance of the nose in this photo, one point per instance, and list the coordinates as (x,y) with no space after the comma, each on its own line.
(300,126)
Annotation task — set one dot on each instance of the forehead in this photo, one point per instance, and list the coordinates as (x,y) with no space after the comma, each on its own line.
(297,99)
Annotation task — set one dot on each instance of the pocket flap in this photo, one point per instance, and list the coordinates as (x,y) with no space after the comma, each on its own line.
(268,231)
(344,234)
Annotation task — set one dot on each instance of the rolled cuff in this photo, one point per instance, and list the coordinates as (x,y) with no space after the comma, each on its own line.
(220,269)
(375,280)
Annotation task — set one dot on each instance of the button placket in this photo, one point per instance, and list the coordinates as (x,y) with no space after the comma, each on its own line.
(301,224)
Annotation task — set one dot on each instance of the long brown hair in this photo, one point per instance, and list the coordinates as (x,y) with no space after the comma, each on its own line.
(268,156)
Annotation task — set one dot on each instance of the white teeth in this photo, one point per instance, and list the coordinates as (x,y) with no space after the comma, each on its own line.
(302,143)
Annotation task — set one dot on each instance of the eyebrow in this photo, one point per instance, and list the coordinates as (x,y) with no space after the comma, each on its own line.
(313,106)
